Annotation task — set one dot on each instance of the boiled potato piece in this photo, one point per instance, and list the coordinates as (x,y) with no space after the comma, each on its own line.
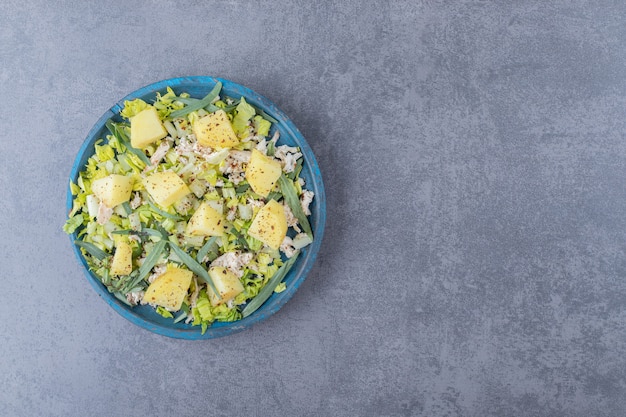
(113,189)
(215,130)
(226,283)
(146,128)
(270,225)
(166,187)
(206,221)
(169,290)
(262,172)
(122,263)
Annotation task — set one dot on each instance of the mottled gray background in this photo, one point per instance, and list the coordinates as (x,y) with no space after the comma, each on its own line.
(474,159)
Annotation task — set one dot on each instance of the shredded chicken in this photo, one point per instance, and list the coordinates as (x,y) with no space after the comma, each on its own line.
(255,203)
(160,153)
(291,219)
(158,270)
(193,298)
(104,213)
(288,156)
(189,145)
(233,165)
(262,146)
(305,200)
(136,201)
(185,146)
(232,212)
(287,247)
(234,261)
(134,298)
(241,156)
(275,137)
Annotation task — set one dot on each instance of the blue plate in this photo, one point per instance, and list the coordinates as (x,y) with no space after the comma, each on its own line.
(198,87)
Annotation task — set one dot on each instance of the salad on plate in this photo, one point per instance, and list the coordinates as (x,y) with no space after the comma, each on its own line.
(190,206)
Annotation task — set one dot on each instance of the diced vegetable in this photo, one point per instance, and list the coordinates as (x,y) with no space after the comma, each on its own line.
(226,283)
(113,189)
(206,221)
(146,128)
(262,173)
(169,289)
(166,187)
(122,263)
(270,225)
(215,130)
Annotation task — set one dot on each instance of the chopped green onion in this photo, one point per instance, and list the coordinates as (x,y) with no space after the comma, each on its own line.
(242,188)
(194,266)
(121,297)
(292,200)
(92,249)
(193,106)
(151,259)
(180,317)
(269,288)
(274,195)
(127,208)
(271,148)
(131,283)
(296,171)
(197,102)
(116,130)
(209,249)
(163,212)
(240,239)
(156,233)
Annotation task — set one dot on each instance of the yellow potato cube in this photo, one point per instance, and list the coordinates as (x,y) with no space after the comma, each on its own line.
(166,188)
(206,221)
(146,128)
(113,189)
(169,290)
(270,225)
(226,283)
(262,172)
(215,130)
(122,263)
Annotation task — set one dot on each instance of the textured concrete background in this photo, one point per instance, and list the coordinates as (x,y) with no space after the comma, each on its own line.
(474,158)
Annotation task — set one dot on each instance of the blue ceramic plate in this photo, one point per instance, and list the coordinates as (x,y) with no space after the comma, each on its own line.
(198,87)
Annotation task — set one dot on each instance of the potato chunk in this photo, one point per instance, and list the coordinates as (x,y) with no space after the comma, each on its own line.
(169,290)
(146,128)
(206,221)
(262,172)
(166,188)
(226,283)
(215,130)
(270,225)
(122,263)
(113,189)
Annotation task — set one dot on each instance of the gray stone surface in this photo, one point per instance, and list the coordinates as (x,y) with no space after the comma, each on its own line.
(475,165)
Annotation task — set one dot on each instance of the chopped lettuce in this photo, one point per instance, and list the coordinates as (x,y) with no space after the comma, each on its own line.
(262,126)
(243,113)
(133,107)
(73,223)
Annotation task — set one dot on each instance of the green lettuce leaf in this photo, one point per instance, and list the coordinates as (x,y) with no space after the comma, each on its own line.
(243,113)
(73,223)
(131,108)
(262,126)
